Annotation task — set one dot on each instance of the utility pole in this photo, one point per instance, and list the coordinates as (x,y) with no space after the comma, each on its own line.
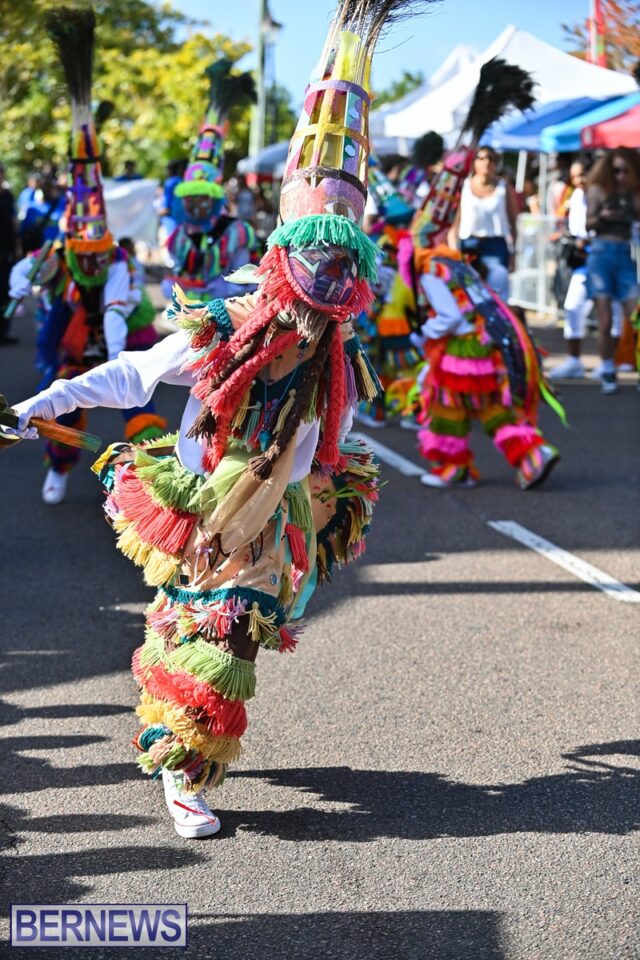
(267,31)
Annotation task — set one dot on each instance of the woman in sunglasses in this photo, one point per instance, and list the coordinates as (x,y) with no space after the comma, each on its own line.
(486,220)
(613,204)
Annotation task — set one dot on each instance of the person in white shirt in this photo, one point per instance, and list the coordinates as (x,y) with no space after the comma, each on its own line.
(485,224)
(577,303)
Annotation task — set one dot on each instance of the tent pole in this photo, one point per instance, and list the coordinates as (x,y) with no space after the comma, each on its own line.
(543,177)
(521,171)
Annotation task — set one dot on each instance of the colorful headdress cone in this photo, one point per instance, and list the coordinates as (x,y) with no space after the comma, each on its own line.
(324,188)
(203,176)
(72,30)
(501,86)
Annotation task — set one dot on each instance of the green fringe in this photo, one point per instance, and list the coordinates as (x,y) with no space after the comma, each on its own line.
(152,652)
(143,316)
(320,228)
(171,484)
(450,428)
(552,401)
(299,507)
(80,276)
(469,347)
(232,677)
(199,188)
(152,432)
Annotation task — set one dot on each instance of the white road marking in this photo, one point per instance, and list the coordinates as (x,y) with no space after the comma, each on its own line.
(579,568)
(390,457)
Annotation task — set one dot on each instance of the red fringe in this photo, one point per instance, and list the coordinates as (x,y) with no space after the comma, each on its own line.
(466,384)
(288,641)
(298,546)
(222,717)
(516,448)
(161,527)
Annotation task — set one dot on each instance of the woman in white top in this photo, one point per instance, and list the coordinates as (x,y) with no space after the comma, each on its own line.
(486,220)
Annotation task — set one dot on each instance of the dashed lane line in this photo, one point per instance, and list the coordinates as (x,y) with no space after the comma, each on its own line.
(390,457)
(574,565)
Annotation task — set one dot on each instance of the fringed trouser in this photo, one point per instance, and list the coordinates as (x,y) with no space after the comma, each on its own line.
(196,669)
(467,381)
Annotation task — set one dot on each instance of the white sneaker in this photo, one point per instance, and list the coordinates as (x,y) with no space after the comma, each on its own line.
(596,373)
(568,369)
(625,368)
(191,814)
(434,480)
(54,486)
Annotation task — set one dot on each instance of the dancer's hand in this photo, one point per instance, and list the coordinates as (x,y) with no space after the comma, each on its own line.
(35,407)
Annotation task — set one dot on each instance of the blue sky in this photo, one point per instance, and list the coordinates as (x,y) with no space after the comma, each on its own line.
(420,44)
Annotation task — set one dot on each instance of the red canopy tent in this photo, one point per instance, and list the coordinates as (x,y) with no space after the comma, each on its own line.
(622,131)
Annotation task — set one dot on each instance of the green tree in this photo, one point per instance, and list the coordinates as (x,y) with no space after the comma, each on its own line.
(399,88)
(155,81)
(621,19)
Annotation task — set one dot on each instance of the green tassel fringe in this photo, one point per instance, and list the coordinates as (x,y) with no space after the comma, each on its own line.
(469,347)
(232,677)
(170,484)
(328,228)
(299,507)
(143,316)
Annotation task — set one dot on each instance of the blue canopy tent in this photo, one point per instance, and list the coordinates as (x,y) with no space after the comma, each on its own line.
(564,137)
(524,131)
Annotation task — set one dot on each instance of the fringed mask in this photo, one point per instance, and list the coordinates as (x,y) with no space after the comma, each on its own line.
(326,273)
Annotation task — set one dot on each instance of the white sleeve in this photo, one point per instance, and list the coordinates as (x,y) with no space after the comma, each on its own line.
(116,308)
(448,317)
(126,382)
(19,283)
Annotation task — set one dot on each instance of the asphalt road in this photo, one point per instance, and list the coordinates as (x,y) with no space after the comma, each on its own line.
(448,767)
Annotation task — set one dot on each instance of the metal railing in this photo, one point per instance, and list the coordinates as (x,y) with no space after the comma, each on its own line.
(531,283)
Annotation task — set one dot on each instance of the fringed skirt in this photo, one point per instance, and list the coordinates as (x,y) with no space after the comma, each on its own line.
(193,687)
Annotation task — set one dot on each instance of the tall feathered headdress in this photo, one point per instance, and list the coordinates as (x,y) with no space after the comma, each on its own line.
(316,271)
(72,31)
(203,176)
(324,188)
(501,87)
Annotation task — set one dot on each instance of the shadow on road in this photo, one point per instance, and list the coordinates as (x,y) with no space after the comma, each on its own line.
(401,935)
(592,796)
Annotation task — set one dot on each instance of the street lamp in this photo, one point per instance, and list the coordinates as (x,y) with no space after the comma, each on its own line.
(268,31)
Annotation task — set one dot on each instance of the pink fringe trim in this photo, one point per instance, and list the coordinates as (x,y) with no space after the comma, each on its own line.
(468,366)
(512,431)
(436,443)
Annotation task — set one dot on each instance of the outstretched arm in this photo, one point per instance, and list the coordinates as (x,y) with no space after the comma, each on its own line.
(128,381)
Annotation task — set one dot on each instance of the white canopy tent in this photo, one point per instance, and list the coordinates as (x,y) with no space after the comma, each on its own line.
(559,76)
(459,59)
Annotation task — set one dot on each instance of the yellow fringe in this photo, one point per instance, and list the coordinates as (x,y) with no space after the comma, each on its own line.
(286,586)
(192,735)
(368,383)
(261,627)
(284,413)
(238,420)
(159,568)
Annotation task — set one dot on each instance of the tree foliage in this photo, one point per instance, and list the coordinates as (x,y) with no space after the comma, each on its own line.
(144,65)
(622,34)
(399,88)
